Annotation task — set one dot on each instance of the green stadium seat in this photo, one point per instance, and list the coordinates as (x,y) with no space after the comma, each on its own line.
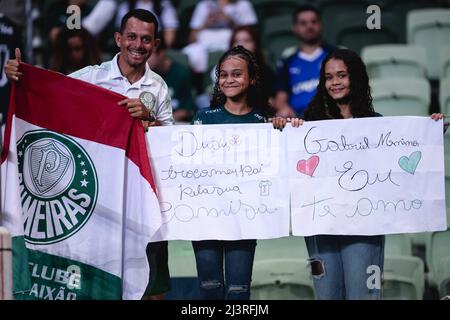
(400,96)
(213,59)
(394,60)
(281,279)
(443,277)
(182,259)
(429,28)
(178,56)
(331,10)
(437,250)
(444,96)
(280,270)
(445,62)
(286,247)
(403,278)
(350,30)
(398,245)
(400,9)
(183,272)
(278,35)
(419,239)
(184,11)
(269,8)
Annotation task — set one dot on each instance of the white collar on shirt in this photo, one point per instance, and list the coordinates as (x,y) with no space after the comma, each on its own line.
(115,73)
(310,57)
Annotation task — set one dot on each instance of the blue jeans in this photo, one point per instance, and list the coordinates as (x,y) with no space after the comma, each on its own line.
(346,267)
(235,284)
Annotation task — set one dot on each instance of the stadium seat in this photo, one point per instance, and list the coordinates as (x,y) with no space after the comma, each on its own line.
(350,31)
(286,247)
(269,8)
(400,9)
(394,60)
(280,270)
(443,277)
(437,250)
(332,9)
(403,278)
(278,35)
(182,259)
(429,28)
(178,56)
(281,279)
(184,11)
(445,62)
(400,96)
(398,245)
(444,96)
(183,271)
(213,59)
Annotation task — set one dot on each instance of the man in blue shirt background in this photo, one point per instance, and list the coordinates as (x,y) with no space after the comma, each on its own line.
(298,75)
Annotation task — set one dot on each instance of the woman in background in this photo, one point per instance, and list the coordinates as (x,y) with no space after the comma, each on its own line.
(74,49)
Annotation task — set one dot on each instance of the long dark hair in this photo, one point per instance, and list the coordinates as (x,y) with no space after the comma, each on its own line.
(254,34)
(324,107)
(255,99)
(61,61)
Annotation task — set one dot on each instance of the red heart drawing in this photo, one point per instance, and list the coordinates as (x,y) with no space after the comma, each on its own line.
(308,166)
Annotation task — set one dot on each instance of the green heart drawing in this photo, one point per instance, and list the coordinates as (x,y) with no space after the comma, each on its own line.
(410,164)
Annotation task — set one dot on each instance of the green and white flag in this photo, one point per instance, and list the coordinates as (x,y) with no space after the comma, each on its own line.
(77,191)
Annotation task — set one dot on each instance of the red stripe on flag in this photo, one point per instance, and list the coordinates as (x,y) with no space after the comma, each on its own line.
(58,103)
(7,138)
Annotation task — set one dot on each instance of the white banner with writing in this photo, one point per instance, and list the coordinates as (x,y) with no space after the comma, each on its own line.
(367,176)
(220,182)
(360,176)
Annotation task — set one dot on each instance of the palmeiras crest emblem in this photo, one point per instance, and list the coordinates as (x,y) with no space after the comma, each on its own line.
(48,164)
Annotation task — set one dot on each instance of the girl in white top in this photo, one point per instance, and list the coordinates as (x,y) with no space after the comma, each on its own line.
(211,27)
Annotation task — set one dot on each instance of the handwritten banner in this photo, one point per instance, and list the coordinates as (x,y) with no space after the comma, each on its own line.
(220,182)
(360,176)
(367,176)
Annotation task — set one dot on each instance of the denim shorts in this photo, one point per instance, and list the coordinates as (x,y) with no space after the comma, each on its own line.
(159,280)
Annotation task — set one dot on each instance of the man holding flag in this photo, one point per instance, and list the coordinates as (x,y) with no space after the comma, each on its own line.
(147,99)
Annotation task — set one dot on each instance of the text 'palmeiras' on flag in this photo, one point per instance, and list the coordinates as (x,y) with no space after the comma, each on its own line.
(77,192)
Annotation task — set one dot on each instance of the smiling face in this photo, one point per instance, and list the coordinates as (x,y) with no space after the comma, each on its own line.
(234,79)
(136,42)
(337,79)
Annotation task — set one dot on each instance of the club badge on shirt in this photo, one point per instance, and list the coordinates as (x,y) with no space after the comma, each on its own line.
(149,101)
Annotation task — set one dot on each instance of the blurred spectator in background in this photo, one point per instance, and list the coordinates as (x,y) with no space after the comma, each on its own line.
(56,16)
(163,10)
(298,75)
(99,17)
(12,17)
(211,26)
(248,37)
(96,19)
(74,49)
(178,79)
(14,10)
